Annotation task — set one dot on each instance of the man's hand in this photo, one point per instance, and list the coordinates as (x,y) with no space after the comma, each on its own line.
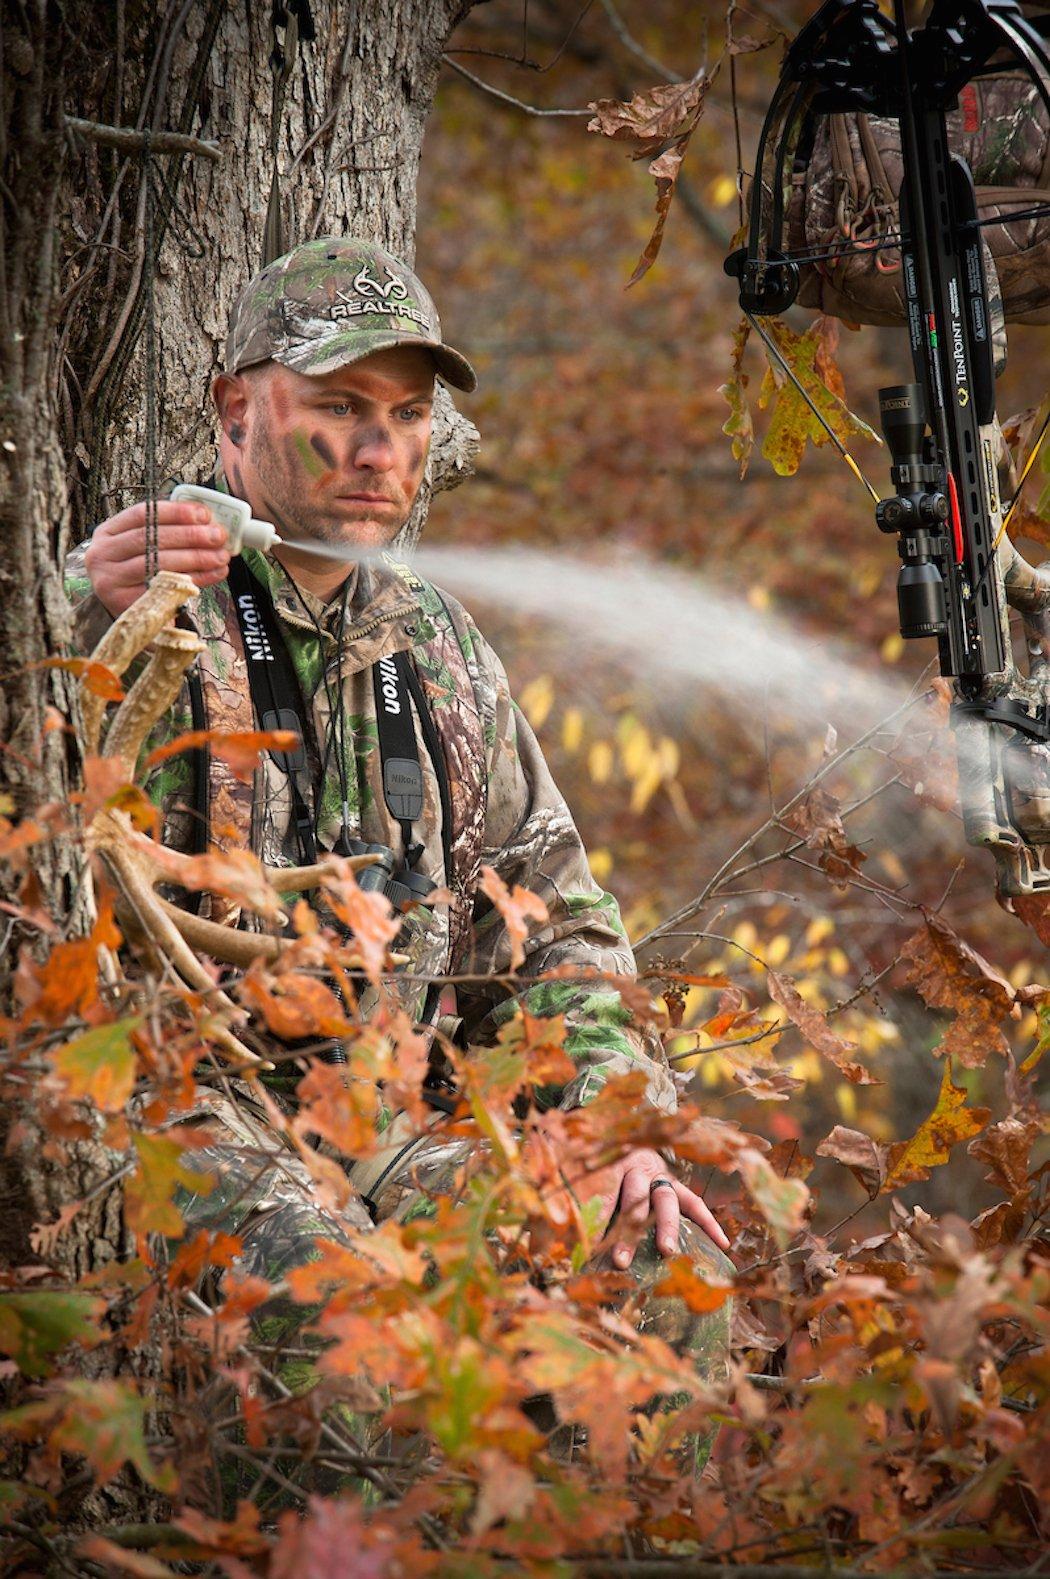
(627,1190)
(188,539)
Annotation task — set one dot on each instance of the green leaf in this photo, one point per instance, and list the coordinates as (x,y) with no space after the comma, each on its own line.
(34,1327)
(100,1065)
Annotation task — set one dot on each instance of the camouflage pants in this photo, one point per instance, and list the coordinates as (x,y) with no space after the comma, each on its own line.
(264,1193)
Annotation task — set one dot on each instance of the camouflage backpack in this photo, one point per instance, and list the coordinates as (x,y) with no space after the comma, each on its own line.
(845,186)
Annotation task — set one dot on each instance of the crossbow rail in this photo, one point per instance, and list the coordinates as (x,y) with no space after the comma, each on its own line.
(959,572)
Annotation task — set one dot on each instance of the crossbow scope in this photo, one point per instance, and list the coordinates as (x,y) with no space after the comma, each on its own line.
(959,571)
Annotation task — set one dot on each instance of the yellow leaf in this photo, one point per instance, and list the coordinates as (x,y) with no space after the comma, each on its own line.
(600,762)
(778,949)
(536,700)
(572,729)
(601,865)
(722,190)
(950,1122)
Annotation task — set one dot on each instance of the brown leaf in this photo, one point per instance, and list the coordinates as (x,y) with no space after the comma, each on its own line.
(865,1158)
(948,974)
(818,821)
(816,1029)
(924,751)
(659,114)
(1005,1147)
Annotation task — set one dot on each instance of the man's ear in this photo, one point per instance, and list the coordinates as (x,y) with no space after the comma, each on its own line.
(231,395)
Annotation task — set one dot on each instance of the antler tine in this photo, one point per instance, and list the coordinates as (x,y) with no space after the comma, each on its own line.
(163,933)
(228,944)
(130,634)
(152,694)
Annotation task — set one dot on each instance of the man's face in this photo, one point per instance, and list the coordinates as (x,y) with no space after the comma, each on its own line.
(336,458)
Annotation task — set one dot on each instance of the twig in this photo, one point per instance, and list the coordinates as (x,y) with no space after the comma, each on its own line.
(132,141)
(631,44)
(506,98)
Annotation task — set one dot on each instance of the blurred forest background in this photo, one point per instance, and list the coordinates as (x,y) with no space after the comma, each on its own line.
(601,419)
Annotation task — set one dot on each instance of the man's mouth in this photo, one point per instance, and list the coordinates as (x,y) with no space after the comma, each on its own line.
(372,499)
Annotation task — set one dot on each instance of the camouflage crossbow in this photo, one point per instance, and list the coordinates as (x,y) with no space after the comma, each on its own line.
(959,571)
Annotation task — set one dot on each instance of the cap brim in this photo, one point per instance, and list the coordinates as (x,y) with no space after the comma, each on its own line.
(451,365)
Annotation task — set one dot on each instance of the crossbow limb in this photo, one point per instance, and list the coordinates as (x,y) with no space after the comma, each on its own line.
(959,572)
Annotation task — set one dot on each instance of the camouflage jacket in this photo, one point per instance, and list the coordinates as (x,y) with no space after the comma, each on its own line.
(506,810)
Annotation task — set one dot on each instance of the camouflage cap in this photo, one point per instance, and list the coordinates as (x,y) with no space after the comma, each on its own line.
(334,301)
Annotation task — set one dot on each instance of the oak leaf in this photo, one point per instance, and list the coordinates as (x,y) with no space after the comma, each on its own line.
(865,1158)
(739,425)
(817,819)
(239,748)
(948,974)
(103,1420)
(816,1029)
(34,1327)
(793,424)
(148,1195)
(950,1122)
(100,1065)
(517,907)
(681,1280)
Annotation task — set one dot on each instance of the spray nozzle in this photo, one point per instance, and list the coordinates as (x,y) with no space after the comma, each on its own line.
(233,515)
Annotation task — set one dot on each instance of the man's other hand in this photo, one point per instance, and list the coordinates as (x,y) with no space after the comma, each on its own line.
(188,539)
(626,1190)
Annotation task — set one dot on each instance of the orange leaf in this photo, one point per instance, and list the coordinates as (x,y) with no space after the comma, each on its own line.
(98,678)
(240,748)
(681,1281)
(337,1107)
(295,1005)
(100,1065)
(517,907)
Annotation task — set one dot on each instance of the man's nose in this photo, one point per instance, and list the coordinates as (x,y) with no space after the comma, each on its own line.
(373,449)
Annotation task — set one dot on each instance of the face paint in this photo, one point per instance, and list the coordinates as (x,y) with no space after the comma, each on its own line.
(324,449)
(236,434)
(309,454)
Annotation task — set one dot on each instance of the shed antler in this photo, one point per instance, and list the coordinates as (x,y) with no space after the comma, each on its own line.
(135,861)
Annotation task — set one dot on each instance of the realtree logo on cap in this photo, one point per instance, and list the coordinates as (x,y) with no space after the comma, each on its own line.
(375,297)
(365,285)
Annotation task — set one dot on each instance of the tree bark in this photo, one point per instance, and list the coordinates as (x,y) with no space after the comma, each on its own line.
(119,270)
(351,106)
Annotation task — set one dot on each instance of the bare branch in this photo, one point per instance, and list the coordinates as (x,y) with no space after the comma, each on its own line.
(129,140)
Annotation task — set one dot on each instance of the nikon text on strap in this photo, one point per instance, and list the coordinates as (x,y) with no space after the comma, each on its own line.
(276,695)
(279,704)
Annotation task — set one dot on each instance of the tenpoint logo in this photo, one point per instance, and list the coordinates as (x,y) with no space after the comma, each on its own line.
(366,285)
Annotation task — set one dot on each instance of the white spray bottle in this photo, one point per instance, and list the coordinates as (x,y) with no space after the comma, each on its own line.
(234,515)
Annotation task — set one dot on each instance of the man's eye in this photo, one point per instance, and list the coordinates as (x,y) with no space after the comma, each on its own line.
(411,414)
(340,408)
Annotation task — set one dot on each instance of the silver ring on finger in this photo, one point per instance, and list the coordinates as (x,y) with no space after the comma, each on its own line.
(661,1184)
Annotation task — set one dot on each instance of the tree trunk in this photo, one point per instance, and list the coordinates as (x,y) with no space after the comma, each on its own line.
(120,268)
(351,104)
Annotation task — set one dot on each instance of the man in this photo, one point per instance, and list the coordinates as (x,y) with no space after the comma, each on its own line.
(325,414)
